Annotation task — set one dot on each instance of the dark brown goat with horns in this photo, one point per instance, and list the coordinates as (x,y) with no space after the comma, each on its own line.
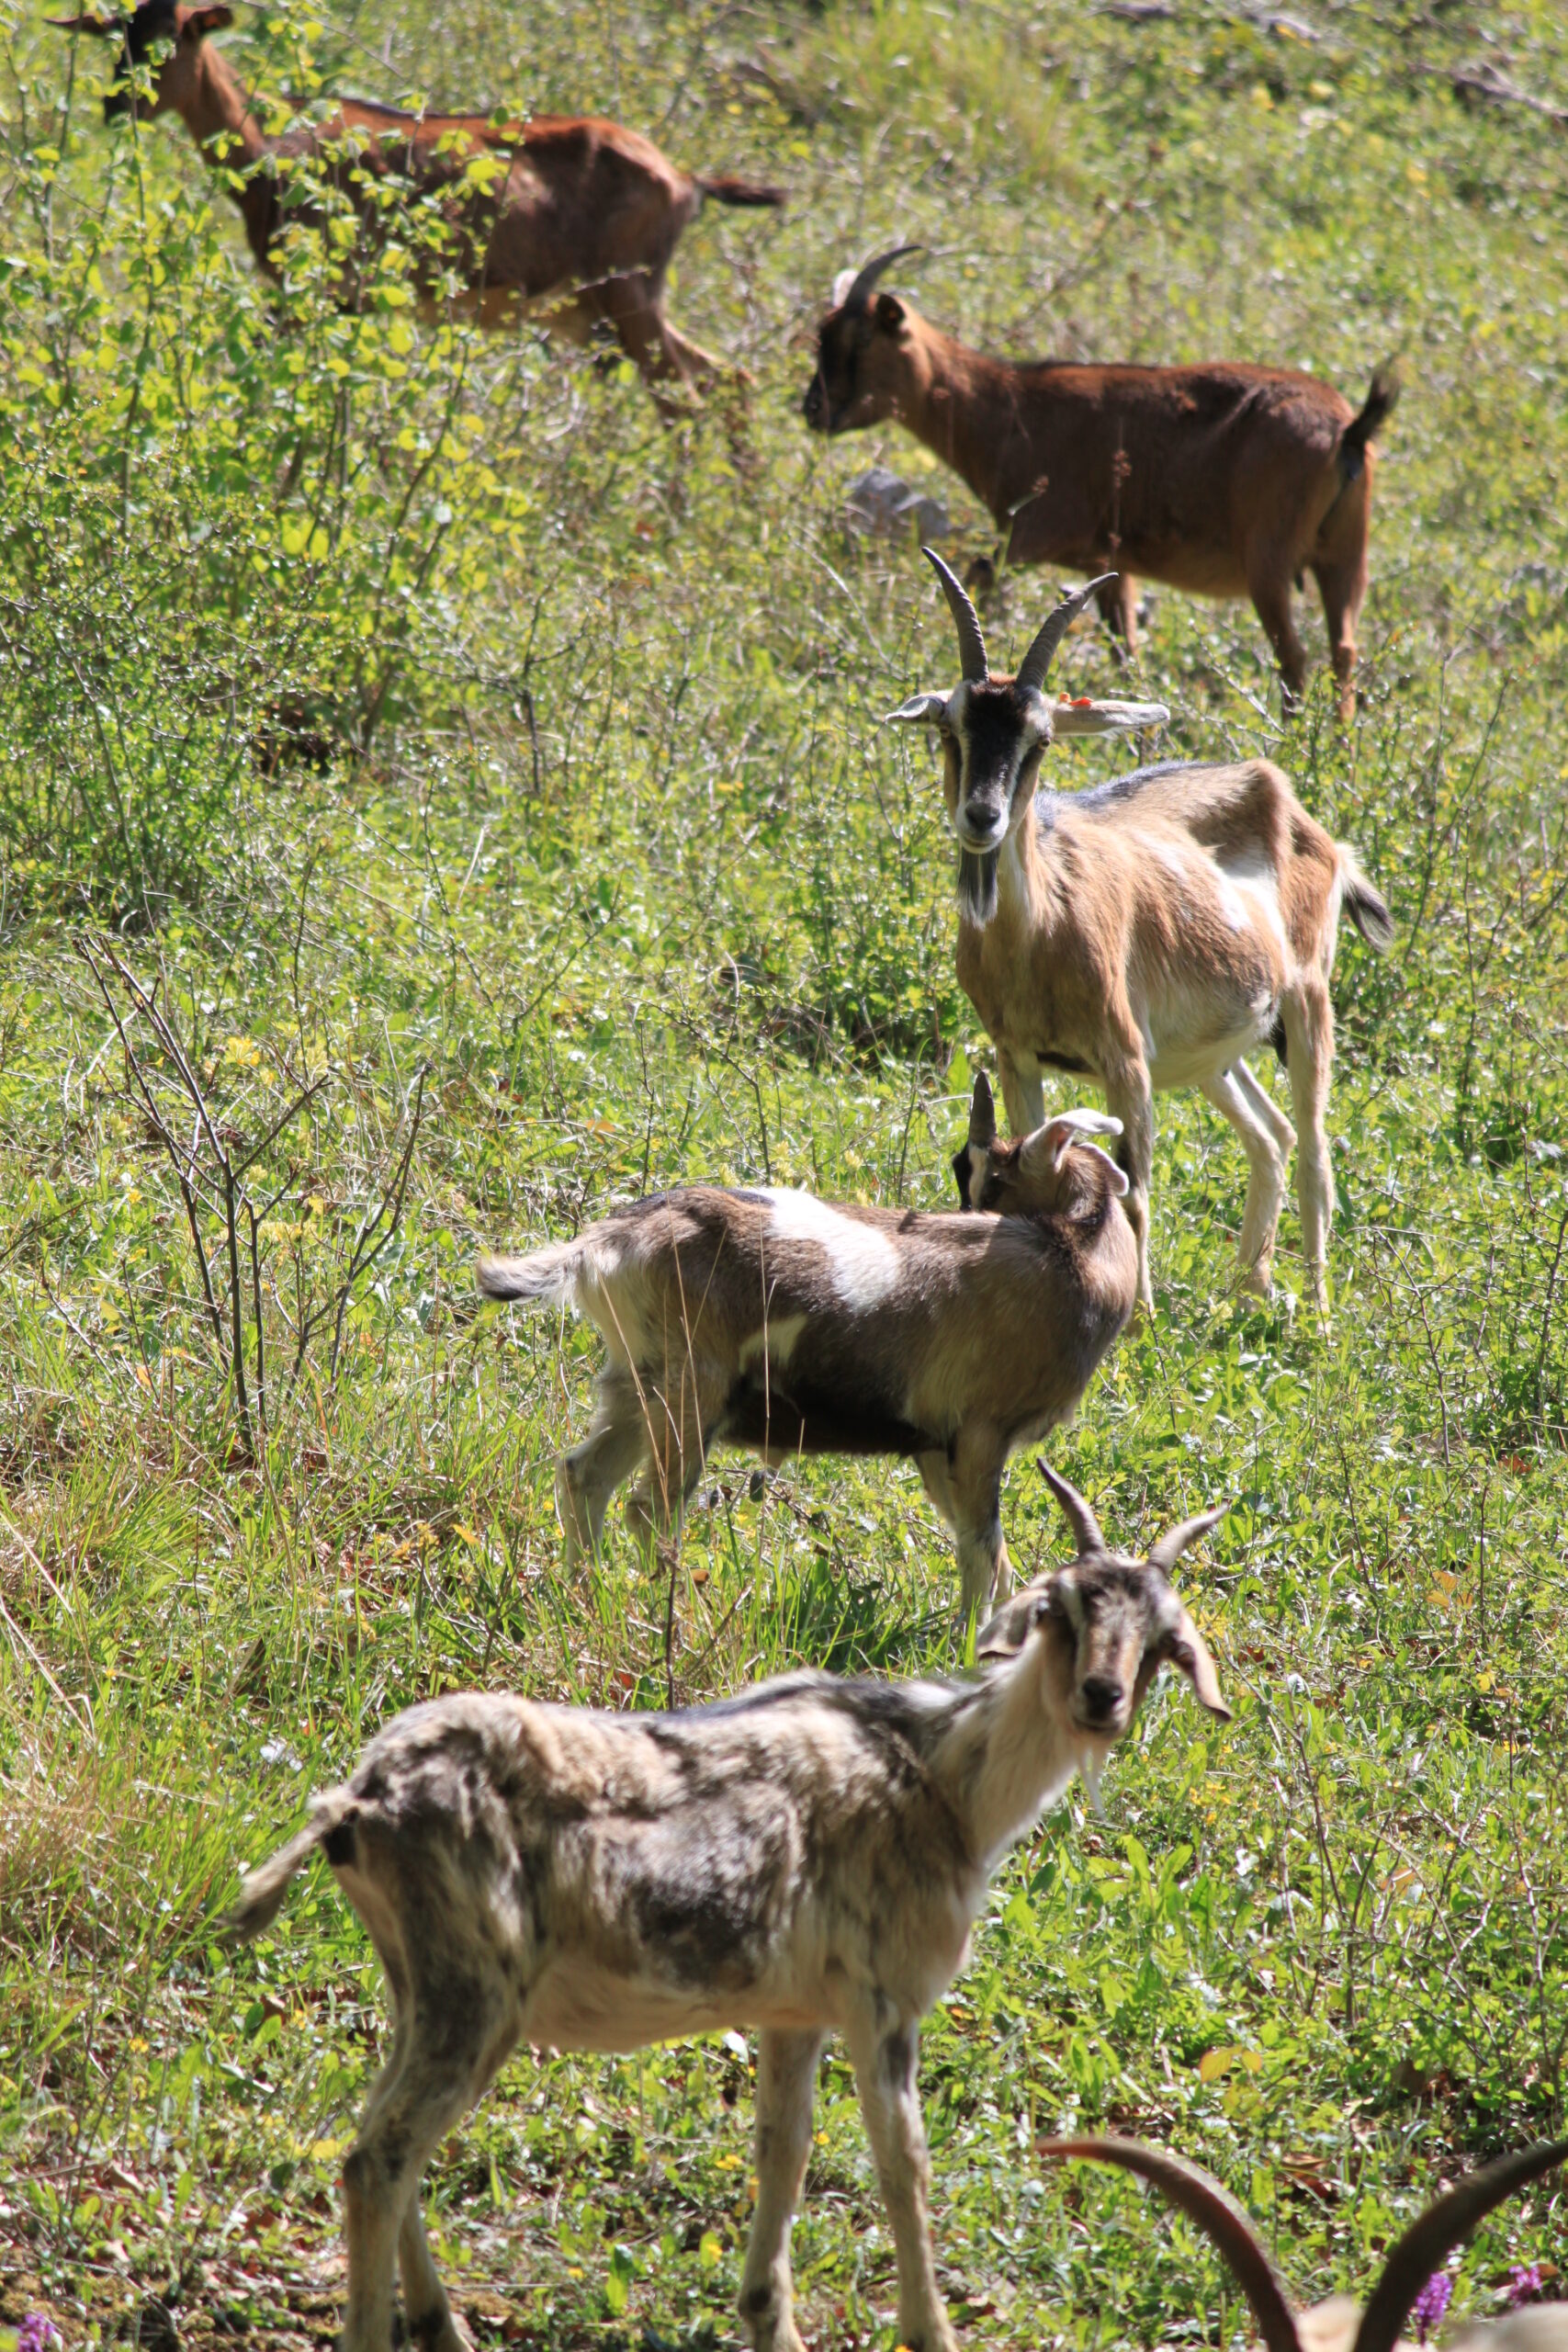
(1221,480)
(580,215)
(1340,2324)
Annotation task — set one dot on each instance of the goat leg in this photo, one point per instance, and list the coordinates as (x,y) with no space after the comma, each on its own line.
(1308,1016)
(787,2077)
(1130,1098)
(1237,1096)
(886,2064)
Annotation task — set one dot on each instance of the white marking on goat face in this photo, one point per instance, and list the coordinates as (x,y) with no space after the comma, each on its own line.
(864,1264)
(777,1338)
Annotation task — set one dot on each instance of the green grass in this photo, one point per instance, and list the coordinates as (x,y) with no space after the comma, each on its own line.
(613,881)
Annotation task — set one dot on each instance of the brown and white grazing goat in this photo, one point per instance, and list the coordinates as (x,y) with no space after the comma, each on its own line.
(769,1318)
(807,1857)
(523,212)
(1339,2325)
(1223,481)
(1145,933)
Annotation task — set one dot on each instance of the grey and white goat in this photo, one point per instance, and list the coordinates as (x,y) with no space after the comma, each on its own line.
(807,1858)
(1340,2324)
(1145,933)
(769,1318)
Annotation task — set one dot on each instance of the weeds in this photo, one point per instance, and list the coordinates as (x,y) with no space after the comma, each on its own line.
(479,784)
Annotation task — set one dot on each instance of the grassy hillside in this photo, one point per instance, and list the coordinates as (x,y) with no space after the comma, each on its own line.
(409,718)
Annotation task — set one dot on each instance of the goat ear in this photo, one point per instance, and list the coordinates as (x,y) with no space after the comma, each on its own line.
(1014,1621)
(1188,1651)
(1105,717)
(1040,1153)
(891,314)
(920,710)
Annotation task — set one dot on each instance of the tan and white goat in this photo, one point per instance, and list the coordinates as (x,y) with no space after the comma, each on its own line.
(1340,2324)
(1148,932)
(1224,479)
(768,1318)
(805,1859)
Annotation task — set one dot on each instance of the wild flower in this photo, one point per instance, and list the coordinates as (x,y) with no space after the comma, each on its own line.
(1428,2310)
(1525,2283)
(38,2334)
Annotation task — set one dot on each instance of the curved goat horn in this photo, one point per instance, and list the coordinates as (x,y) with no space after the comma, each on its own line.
(1216,2214)
(1174,1542)
(971,644)
(1031,669)
(1089,1540)
(1428,2240)
(865,284)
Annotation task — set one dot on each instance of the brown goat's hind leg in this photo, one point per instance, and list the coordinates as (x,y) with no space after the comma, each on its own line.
(1268,583)
(1118,603)
(1342,587)
(589,1475)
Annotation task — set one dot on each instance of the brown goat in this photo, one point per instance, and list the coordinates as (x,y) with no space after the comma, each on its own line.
(806,1857)
(1339,2325)
(572,206)
(1223,481)
(769,1318)
(1145,933)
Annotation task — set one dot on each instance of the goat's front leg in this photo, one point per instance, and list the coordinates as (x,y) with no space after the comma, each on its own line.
(1130,1098)
(786,2076)
(1023,1094)
(976,1463)
(885,2064)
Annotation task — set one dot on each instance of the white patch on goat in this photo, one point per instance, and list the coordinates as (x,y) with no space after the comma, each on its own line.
(777,1336)
(1251,885)
(864,1263)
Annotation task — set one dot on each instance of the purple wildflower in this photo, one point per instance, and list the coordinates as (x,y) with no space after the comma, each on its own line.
(1525,2283)
(38,2334)
(1430,2304)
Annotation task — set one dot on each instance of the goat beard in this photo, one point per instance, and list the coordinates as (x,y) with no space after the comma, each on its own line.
(977,883)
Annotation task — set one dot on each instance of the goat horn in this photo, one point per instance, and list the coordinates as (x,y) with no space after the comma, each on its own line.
(1086,1531)
(1174,1542)
(1216,2214)
(971,644)
(865,284)
(1032,668)
(1428,2242)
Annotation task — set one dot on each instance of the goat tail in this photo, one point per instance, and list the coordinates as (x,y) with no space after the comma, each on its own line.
(724,190)
(1382,399)
(546,1277)
(1366,908)
(260,1897)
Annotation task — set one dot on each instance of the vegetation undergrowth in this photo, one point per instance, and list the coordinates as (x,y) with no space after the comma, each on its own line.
(437,802)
